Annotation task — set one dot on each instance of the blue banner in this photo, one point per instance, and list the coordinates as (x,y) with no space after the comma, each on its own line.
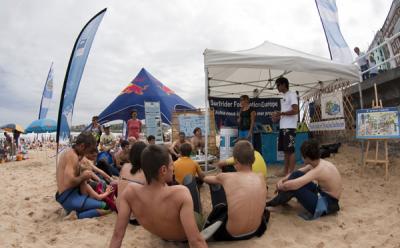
(338,47)
(226,110)
(73,76)
(47,94)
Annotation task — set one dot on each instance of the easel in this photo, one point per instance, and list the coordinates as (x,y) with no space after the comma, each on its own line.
(385,161)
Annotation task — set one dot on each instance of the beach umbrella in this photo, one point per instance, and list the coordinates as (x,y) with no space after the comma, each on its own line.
(11,127)
(42,126)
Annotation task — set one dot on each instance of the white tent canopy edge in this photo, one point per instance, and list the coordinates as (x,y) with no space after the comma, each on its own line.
(254,71)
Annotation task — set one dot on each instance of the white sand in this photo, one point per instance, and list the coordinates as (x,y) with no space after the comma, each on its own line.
(370,215)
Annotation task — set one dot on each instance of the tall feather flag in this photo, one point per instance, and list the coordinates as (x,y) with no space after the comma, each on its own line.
(73,76)
(338,48)
(47,94)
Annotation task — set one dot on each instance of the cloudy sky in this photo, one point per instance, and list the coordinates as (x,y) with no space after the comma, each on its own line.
(165,37)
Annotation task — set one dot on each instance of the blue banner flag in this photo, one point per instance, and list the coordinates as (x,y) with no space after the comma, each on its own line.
(338,47)
(47,94)
(73,76)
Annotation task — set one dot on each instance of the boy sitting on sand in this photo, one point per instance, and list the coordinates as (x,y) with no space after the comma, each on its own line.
(318,199)
(86,189)
(184,166)
(238,199)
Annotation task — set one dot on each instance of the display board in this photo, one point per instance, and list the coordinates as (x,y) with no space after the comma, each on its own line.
(378,123)
(187,120)
(332,105)
(153,121)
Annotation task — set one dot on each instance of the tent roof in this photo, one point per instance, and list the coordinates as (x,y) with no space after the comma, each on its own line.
(144,87)
(232,74)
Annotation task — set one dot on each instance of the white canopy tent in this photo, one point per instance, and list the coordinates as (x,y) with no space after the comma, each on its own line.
(254,71)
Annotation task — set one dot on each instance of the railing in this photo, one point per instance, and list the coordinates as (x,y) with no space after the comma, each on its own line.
(391,58)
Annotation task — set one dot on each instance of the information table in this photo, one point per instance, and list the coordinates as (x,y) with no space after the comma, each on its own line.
(269,147)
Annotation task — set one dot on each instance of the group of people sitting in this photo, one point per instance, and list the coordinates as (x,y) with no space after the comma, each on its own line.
(145,193)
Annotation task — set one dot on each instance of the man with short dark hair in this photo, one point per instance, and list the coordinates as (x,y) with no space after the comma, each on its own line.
(96,129)
(151,140)
(184,166)
(174,148)
(318,199)
(165,211)
(238,198)
(69,178)
(287,124)
(122,156)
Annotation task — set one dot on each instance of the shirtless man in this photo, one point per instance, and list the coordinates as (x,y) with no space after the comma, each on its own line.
(68,179)
(197,140)
(174,148)
(122,156)
(242,212)
(165,211)
(318,200)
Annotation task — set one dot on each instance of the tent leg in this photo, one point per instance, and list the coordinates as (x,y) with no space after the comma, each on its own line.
(207,124)
(362,106)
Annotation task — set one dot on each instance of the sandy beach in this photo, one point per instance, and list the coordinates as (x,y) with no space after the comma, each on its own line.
(369,216)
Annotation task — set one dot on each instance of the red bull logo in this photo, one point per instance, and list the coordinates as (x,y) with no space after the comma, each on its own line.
(167,90)
(133,88)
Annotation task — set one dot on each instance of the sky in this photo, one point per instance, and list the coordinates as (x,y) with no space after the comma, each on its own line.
(167,38)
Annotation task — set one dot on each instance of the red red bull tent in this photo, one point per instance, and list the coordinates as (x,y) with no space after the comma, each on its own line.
(144,87)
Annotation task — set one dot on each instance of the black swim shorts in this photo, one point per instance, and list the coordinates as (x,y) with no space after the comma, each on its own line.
(287,138)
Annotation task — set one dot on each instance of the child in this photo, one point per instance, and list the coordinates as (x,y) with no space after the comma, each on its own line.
(186,166)
(86,189)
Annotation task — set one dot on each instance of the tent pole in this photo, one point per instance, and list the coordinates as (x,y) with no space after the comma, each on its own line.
(207,124)
(362,106)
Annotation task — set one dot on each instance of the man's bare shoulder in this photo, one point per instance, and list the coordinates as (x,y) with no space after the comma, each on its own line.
(179,192)
(131,190)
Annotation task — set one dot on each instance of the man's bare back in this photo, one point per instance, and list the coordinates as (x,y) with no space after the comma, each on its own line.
(328,178)
(245,194)
(165,205)
(67,165)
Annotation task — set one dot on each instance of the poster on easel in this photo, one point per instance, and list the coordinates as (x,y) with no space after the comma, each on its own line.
(153,121)
(378,123)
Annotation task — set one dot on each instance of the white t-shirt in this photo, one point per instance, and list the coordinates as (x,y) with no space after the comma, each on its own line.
(288,121)
(107,140)
(361,60)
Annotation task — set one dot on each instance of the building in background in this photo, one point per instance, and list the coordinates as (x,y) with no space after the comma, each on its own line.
(390,27)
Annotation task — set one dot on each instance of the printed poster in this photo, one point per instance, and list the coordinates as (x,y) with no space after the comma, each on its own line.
(332,105)
(153,121)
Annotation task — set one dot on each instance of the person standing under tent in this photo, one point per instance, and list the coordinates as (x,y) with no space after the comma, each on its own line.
(247,117)
(134,126)
(287,124)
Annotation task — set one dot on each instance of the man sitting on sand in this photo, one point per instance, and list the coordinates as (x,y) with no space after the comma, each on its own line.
(174,148)
(122,156)
(165,211)
(238,198)
(318,199)
(69,178)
